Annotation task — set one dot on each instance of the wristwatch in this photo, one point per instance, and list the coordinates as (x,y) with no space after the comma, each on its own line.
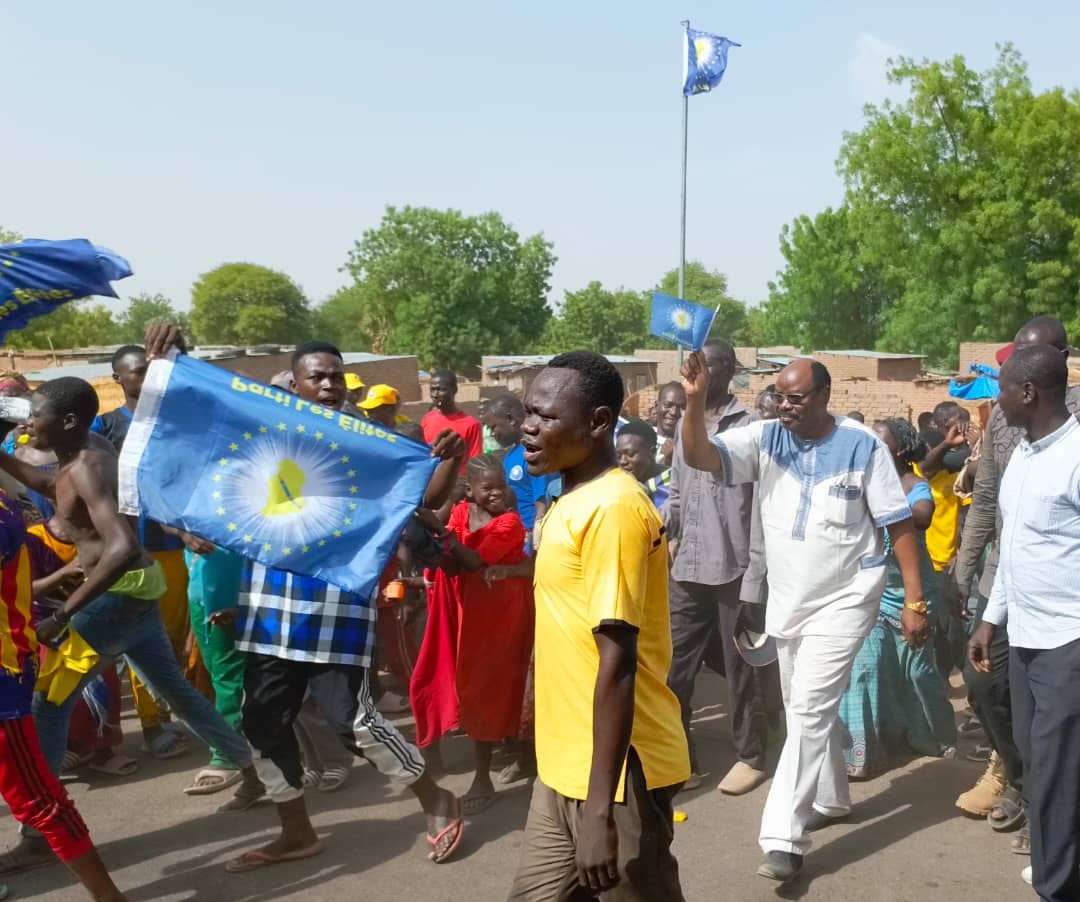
(918,606)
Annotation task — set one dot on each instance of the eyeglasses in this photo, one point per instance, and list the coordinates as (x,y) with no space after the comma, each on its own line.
(794,400)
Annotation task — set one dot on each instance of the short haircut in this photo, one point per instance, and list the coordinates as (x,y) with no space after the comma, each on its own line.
(946,409)
(819,373)
(70,395)
(121,352)
(601,384)
(857,416)
(481,464)
(909,444)
(926,420)
(1044,330)
(727,352)
(507,404)
(447,376)
(671,386)
(315,347)
(641,429)
(1043,366)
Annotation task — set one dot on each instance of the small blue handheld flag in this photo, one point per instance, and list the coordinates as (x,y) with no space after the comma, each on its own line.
(683,322)
(38,276)
(704,61)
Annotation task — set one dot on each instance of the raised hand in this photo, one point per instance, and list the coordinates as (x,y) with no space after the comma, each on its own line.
(695,376)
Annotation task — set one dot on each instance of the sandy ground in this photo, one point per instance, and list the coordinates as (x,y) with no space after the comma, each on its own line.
(906,841)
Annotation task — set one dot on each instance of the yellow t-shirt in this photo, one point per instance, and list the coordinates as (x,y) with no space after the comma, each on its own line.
(942,538)
(603,557)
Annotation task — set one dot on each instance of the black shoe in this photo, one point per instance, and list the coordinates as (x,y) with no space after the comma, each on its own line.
(783,867)
(818,821)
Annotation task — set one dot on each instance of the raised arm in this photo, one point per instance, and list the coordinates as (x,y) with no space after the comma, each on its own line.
(451,449)
(34,478)
(698,451)
(934,461)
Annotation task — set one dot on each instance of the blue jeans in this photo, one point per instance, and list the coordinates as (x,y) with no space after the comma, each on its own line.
(116,625)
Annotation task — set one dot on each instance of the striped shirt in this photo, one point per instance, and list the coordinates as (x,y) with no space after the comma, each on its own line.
(301,618)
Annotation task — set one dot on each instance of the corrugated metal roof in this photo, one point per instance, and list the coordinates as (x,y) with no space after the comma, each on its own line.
(364,357)
(87,371)
(875,355)
(523,360)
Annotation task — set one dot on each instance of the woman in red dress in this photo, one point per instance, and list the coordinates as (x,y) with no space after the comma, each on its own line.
(474,660)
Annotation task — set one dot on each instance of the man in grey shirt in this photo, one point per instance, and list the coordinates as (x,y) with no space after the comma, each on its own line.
(718,562)
(998,793)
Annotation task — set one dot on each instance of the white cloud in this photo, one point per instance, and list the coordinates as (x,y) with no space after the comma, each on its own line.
(868,67)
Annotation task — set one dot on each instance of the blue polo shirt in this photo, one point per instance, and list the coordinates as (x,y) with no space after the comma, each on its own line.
(528,489)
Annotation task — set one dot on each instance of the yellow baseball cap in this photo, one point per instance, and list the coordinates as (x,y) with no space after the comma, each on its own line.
(378,395)
(353,382)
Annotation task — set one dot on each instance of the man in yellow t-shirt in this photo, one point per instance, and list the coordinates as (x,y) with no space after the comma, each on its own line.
(610,748)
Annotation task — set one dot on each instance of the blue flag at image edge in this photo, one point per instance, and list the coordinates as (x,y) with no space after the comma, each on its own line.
(268,475)
(704,61)
(38,276)
(683,322)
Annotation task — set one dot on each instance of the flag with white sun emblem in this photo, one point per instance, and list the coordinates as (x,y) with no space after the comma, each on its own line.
(684,323)
(704,61)
(266,474)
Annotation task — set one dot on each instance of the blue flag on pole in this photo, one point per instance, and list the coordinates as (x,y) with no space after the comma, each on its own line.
(683,322)
(38,276)
(266,474)
(704,61)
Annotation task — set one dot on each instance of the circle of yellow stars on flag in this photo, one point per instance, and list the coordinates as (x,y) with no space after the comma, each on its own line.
(234,457)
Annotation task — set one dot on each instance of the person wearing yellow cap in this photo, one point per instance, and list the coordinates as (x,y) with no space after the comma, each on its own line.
(381,405)
(354,387)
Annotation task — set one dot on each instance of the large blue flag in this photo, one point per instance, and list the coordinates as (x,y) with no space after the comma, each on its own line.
(683,322)
(269,475)
(704,61)
(38,276)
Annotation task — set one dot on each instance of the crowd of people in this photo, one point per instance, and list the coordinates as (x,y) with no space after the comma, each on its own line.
(554,599)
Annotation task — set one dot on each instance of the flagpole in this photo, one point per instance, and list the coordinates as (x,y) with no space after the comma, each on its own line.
(682,214)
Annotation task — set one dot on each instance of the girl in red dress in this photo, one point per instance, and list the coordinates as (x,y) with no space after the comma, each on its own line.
(473,663)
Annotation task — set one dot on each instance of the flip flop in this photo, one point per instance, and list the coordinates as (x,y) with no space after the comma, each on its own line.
(213,779)
(457,824)
(115,766)
(73,761)
(167,744)
(254,859)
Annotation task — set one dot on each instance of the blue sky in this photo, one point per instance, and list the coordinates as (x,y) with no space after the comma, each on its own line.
(189,135)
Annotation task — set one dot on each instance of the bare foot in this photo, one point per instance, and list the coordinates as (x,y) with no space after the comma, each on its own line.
(480,797)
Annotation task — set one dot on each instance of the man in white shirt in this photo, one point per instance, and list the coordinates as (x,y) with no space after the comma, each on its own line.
(828,487)
(1037,590)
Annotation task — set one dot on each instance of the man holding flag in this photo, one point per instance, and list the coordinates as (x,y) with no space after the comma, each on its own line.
(294,625)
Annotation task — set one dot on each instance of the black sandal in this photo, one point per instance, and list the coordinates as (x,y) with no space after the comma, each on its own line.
(1008,811)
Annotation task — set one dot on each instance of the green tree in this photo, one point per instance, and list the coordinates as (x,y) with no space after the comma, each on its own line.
(341,320)
(450,287)
(143,311)
(596,319)
(828,296)
(968,196)
(961,219)
(220,298)
(9,237)
(74,325)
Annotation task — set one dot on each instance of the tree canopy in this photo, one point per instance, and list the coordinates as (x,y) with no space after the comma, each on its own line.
(961,217)
(243,303)
(449,287)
